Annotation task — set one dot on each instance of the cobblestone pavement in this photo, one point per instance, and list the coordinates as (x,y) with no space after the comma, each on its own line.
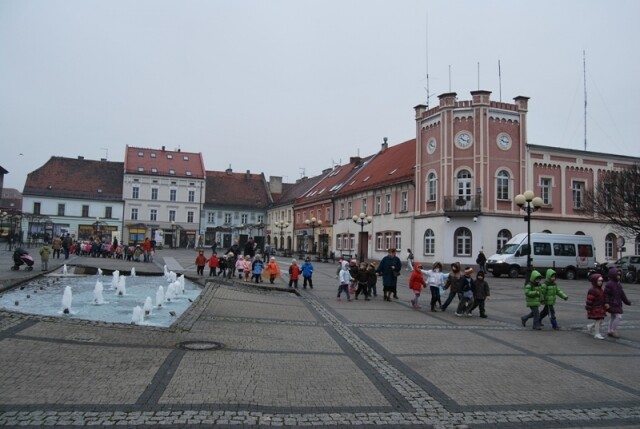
(265,355)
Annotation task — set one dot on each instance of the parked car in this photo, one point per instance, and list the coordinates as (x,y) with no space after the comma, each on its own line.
(630,266)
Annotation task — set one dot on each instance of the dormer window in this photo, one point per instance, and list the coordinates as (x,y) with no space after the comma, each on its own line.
(172,171)
(141,154)
(140,169)
(186,158)
(188,173)
(154,170)
(169,156)
(366,178)
(393,171)
(152,155)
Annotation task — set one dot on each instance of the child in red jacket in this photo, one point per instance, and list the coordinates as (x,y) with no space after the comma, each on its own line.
(416,283)
(294,274)
(201,261)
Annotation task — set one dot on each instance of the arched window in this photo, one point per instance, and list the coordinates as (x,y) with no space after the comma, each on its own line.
(463,242)
(432,193)
(429,242)
(504,235)
(580,233)
(464,184)
(609,241)
(502,185)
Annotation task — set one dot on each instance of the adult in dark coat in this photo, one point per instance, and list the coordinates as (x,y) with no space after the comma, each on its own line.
(389,269)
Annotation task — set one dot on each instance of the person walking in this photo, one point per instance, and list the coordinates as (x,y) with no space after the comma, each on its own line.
(595,306)
(550,291)
(389,269)
(452,284)
(435,280)
(201,261)
(533,296)
(409,260)
(614,297)
(272,270)
(466,284)
(307,273)
(416,283)
(480,294)
(345,280)
(481,260)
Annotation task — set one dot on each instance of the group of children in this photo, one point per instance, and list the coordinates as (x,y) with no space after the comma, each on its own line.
(357,279)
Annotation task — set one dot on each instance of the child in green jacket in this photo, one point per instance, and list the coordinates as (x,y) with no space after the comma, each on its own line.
(534,297)
(550,290)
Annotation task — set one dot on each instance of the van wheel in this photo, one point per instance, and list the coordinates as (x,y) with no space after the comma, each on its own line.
(570,275)
(514,272)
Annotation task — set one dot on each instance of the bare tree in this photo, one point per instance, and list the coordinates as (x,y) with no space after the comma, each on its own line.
(616,199)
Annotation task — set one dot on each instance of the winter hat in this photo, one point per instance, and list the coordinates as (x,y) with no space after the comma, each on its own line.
(480,274)
(468,271)
(594,278)
(293,261)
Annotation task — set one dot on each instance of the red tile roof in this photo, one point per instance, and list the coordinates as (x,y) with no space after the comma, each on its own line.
(226,188)
(394,164)
(291,191)
(163,163)
(77,178)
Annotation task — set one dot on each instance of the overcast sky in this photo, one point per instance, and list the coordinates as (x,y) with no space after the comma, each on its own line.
(287,87)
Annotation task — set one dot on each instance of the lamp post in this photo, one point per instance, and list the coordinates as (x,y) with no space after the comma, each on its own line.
(96,228)
(529,203)
(313,223)
(282,225)
(362,220)
(173,234)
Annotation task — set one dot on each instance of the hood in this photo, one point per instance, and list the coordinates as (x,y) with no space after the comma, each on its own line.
(534,275)
(613,272)
(416,266)
(594,278)
(345,265)
(550,273)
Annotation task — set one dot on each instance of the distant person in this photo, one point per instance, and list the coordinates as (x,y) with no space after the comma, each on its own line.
(307,273)
(294,273)
(389,269)
(214,263)
(45,251)
(409,260)
(481,260)
(201,261)
(56,246)
(614,297)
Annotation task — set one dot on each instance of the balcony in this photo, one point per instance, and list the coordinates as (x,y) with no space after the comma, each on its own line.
(454,205)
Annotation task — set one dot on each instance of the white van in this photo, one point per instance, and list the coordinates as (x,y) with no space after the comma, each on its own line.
(569,255)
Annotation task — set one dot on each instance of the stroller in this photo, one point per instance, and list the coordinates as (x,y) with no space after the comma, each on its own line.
(22,257)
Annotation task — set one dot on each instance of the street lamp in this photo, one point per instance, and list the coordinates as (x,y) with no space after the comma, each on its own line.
(173,234)
(313,223)
(282,225)
(96,228)
(362,220)
(529,203)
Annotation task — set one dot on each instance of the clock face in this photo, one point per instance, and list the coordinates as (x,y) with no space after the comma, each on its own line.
(504,141)
(464,140)
(431,146)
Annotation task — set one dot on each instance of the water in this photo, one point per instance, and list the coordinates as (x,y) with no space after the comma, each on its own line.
(46,296)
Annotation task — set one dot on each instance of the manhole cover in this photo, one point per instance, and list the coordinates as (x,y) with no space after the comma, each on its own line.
(200,345)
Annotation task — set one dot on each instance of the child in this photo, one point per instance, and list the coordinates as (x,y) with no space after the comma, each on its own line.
(239,266)
(222,266)
(435,280)
(452,285)
(416,283)
(595,306)
(466,284)
(294,273)
(213,265)
(247,268)
(345,281)
(480,294)
(362,279)
(372,279)
(231,265)
(307,272)
(201,261)
(614,296)
(45,251)
(534,296)
(272,270)
(257,268)
(353,271)
(550,290)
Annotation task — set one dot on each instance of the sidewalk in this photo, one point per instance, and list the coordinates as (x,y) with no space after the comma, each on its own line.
(269,356)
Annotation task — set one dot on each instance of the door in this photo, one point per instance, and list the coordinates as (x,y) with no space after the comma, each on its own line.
(463,200)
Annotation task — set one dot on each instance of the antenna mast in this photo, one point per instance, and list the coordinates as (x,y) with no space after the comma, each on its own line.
(500,80)
(427,55)
(584,73)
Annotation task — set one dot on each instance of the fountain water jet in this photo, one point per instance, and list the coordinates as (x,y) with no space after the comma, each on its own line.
(148,306)
(97,293)
(137,316)
(67,297)
(159,296)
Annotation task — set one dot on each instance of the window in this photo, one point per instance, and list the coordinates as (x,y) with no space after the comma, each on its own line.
(578,194)
(379,241)
(398,241)
(192,196)
(36,208)
(153,214)
(172,215)
(585,250)
(328,214)
(378,204)
(260,218)
(431,187)
(172,195)
(134,213)
(387,240)
(172,171)
(349,209)
(60,209)
(404,202)
(227,218)
(608,246)
(85,211)
(545,190)
(429,242)
(154,193)
(542,249)
(211,217)
(135,192)
(190,217)
(463,242)
(503,236)
(502,185)
(341,210)
(564,249)
(387,203)
(108,212)
(364,205)
(244,218)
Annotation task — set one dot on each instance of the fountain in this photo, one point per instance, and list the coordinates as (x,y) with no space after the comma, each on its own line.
(133,271)
(64,270)
(108,305)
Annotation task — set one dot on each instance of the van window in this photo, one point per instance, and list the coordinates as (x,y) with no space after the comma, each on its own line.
(543,249)
(585,250)
(564,249)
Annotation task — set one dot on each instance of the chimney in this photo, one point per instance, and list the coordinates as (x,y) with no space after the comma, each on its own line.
(385,143)
(228,170)
(247,176)
(163,148)
(355,160)
(80,157)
